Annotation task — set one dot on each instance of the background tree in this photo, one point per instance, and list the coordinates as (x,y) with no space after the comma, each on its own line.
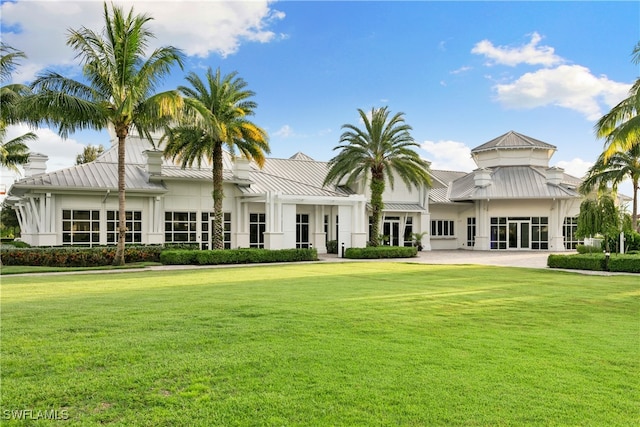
(621,126)
(614,170)
(14,152)
(382,147)
(9,223)
(89,154)
(120,90)
(216,115)
(599,216)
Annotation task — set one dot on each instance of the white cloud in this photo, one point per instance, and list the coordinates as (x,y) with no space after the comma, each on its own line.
(198,27)
(529,53)
(61,152)
(285,131)
(576,167)
(461,70)
(449,155)
(569,86)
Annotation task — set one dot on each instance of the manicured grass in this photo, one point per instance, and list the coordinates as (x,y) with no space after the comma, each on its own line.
(324,344)
(22,269)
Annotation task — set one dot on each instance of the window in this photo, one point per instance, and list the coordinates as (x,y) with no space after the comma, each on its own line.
(180,227)
(540,232)
(80,228)
(569,229)
(133,222)
(207,218)
(408,232)
(442,228)
(257,227)
(326,228)
(302,231)
(498,233)
(471,232)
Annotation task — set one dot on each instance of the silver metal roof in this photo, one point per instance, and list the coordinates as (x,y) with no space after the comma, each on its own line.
(512,140)
(90,176)
(513,182)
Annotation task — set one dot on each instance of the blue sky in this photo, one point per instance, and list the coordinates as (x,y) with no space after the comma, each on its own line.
(462,72)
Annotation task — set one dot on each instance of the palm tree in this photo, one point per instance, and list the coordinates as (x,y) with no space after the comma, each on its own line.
(119,91)
(613,170)
(216,115)
(621,126)
(383,147)
(14,152)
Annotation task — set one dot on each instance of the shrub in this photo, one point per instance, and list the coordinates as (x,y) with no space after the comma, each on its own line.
(625,263)
(593,262)
(237,256)
(332,247)
(77,257)
(376,252)
(586,249)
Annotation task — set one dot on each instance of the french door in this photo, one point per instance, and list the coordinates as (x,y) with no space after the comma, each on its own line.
(519,234)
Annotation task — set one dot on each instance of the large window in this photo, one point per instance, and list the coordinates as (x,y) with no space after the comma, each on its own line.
(180,227)
(442,228)
(133,221)
(80,227)
(540,232)
(207,222)
(257,227)
(569,229)
(498,233)
(471,232)
(302,231)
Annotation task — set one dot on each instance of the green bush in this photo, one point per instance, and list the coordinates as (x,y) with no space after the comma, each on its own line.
(377,252)
(332,247)
(583,249)
(237,256)
(178,256)
(593,262)
(625,263)
(77,257)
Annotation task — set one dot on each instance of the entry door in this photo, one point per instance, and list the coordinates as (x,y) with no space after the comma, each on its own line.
(519,234)
(391,229)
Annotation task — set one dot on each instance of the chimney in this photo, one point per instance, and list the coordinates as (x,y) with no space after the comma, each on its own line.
(482,177)
(36,165)
(554,175)
(241,168)
(154,162)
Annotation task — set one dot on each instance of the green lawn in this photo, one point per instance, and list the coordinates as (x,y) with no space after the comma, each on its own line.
(323,344)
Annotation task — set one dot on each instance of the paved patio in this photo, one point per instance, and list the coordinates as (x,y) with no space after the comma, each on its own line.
(529,259)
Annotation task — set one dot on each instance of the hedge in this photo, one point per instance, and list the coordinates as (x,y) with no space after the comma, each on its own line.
(377,252)
(596,262)
(77,257)
(236,256)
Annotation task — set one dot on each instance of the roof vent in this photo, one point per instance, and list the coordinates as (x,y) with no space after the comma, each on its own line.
(241,168)
(482,177)
(554,175)
(154,161)
(36,165)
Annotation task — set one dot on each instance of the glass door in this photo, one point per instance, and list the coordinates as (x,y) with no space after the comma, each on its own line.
(519,234)
(391,231)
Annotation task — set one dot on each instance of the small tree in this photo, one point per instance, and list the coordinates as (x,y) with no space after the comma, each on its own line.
(89,154)
(599,216)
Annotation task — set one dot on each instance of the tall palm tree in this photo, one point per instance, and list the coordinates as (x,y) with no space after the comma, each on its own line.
(216,115)
(14,152)
(382,147)
(620,127)
(119,89)
(613,170)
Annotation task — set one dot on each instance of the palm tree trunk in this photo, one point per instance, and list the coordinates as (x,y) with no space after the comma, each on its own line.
(377,188)
(122,225)
(218,195)
(634,212)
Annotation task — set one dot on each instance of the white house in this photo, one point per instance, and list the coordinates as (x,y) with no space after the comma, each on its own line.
(514,200)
